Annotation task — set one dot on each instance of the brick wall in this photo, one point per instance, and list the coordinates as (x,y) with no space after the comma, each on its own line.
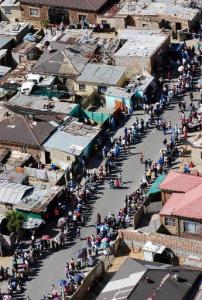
(74,16)
(180,246)
(35,21)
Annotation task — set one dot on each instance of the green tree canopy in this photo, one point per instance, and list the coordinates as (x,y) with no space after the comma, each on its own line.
(15,221)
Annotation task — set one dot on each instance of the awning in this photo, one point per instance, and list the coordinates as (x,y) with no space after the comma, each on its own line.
(28,214)
(154,188)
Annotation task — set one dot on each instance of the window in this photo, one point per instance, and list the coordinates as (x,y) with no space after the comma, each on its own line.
(82,87)
(102,89)
(169,221)
(104,22)
(191,227)
(34,12)
(7,11)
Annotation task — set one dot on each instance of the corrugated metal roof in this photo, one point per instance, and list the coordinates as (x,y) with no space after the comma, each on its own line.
(12,193)
(67,142)
(154,188)
(101,74)
(84,5)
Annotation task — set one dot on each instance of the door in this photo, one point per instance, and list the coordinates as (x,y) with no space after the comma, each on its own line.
(47,157)
(119,105)
(178,26)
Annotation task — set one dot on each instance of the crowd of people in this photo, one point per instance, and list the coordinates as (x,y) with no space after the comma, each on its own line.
(106,228)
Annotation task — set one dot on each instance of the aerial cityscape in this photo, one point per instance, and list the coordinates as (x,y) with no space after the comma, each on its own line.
(101,150)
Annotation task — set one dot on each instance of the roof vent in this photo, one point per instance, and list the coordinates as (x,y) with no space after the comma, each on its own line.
(149,280)
(179,279)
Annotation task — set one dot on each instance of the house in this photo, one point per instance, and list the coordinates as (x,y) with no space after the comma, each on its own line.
(131,95)
(69,12)
(62,61)
(12,193)
(6,44)
(181,215)
(41,200)
(14,30)
(24,52)
(158,14)
(176,182)
(142,50)
(98,77)
(14,161)
(13,177)
(27,133)
(67,145)
(4,70)
(10,11)
(24,103)
(139,279)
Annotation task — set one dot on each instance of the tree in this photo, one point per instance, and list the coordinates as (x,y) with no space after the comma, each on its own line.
(45,23)
(15,221)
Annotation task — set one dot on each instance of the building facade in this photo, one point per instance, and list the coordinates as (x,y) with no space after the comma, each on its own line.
(68,12)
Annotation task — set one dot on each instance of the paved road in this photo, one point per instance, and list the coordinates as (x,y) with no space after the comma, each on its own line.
(52,268)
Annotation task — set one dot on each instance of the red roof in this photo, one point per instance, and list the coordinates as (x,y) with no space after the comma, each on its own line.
(179,182)
(188,205)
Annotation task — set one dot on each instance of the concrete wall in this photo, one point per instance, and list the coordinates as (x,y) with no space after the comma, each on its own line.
(117,23)
(134,64)
(57,157)
(93,275)
(196,156)
(152,22)
(15,14)
(111,101)
(90,88)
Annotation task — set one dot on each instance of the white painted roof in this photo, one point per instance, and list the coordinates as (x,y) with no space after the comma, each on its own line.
(155,248)
(140,43)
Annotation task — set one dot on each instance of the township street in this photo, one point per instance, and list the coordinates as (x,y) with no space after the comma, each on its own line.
(108,200)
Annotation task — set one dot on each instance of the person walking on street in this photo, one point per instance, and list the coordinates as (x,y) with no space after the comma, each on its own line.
(120,178)
(141,157)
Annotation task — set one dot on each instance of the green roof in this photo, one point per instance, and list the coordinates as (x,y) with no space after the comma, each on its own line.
(154,188)
(29,214)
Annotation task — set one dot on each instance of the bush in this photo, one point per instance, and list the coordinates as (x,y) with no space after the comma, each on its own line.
(15,221)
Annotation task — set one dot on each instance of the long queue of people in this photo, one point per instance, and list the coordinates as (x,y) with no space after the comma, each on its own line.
(106,228)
